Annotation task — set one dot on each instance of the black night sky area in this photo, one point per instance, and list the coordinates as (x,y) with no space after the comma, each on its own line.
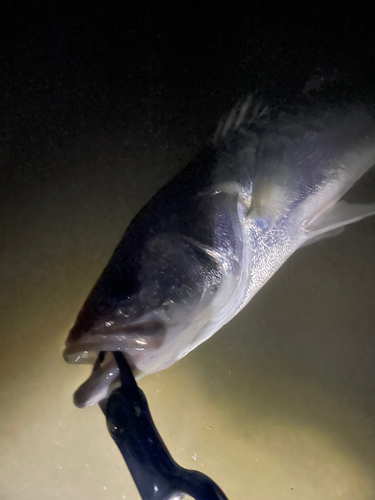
(75,70)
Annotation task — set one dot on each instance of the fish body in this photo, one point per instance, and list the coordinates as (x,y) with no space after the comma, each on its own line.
(270,182)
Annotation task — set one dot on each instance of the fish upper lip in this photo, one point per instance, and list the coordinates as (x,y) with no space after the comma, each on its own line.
(85,349)
(80,354)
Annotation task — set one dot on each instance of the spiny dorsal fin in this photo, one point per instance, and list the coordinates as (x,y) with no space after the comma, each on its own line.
(243,113)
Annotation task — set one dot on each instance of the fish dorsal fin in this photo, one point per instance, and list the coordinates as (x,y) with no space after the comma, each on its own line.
(244,113)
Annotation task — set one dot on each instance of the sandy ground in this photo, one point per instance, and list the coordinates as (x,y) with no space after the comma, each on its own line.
(278,405)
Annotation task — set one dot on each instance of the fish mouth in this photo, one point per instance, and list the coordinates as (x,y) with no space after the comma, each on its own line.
(135,342)
(104,378)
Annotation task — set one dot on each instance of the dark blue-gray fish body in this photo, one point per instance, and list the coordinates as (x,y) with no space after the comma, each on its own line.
(270,182)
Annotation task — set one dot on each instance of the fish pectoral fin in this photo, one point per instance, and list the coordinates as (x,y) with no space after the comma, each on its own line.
(322,236)
(333,221)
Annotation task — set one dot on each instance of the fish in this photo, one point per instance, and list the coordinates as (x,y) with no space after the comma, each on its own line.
(270,181)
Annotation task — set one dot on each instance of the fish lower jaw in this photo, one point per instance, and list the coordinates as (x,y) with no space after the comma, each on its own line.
(105,377)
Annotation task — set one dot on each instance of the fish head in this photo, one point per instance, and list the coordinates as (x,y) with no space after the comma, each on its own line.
(151,314)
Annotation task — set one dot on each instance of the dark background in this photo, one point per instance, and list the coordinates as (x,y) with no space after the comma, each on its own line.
(74,70)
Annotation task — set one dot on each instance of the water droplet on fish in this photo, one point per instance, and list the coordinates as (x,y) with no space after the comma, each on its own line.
(141,342)
(120,312)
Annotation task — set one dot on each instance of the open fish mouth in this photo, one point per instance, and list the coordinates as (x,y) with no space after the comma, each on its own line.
(135,341)
(104,378)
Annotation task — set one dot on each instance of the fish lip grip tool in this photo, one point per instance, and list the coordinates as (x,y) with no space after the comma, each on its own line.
(155,473)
